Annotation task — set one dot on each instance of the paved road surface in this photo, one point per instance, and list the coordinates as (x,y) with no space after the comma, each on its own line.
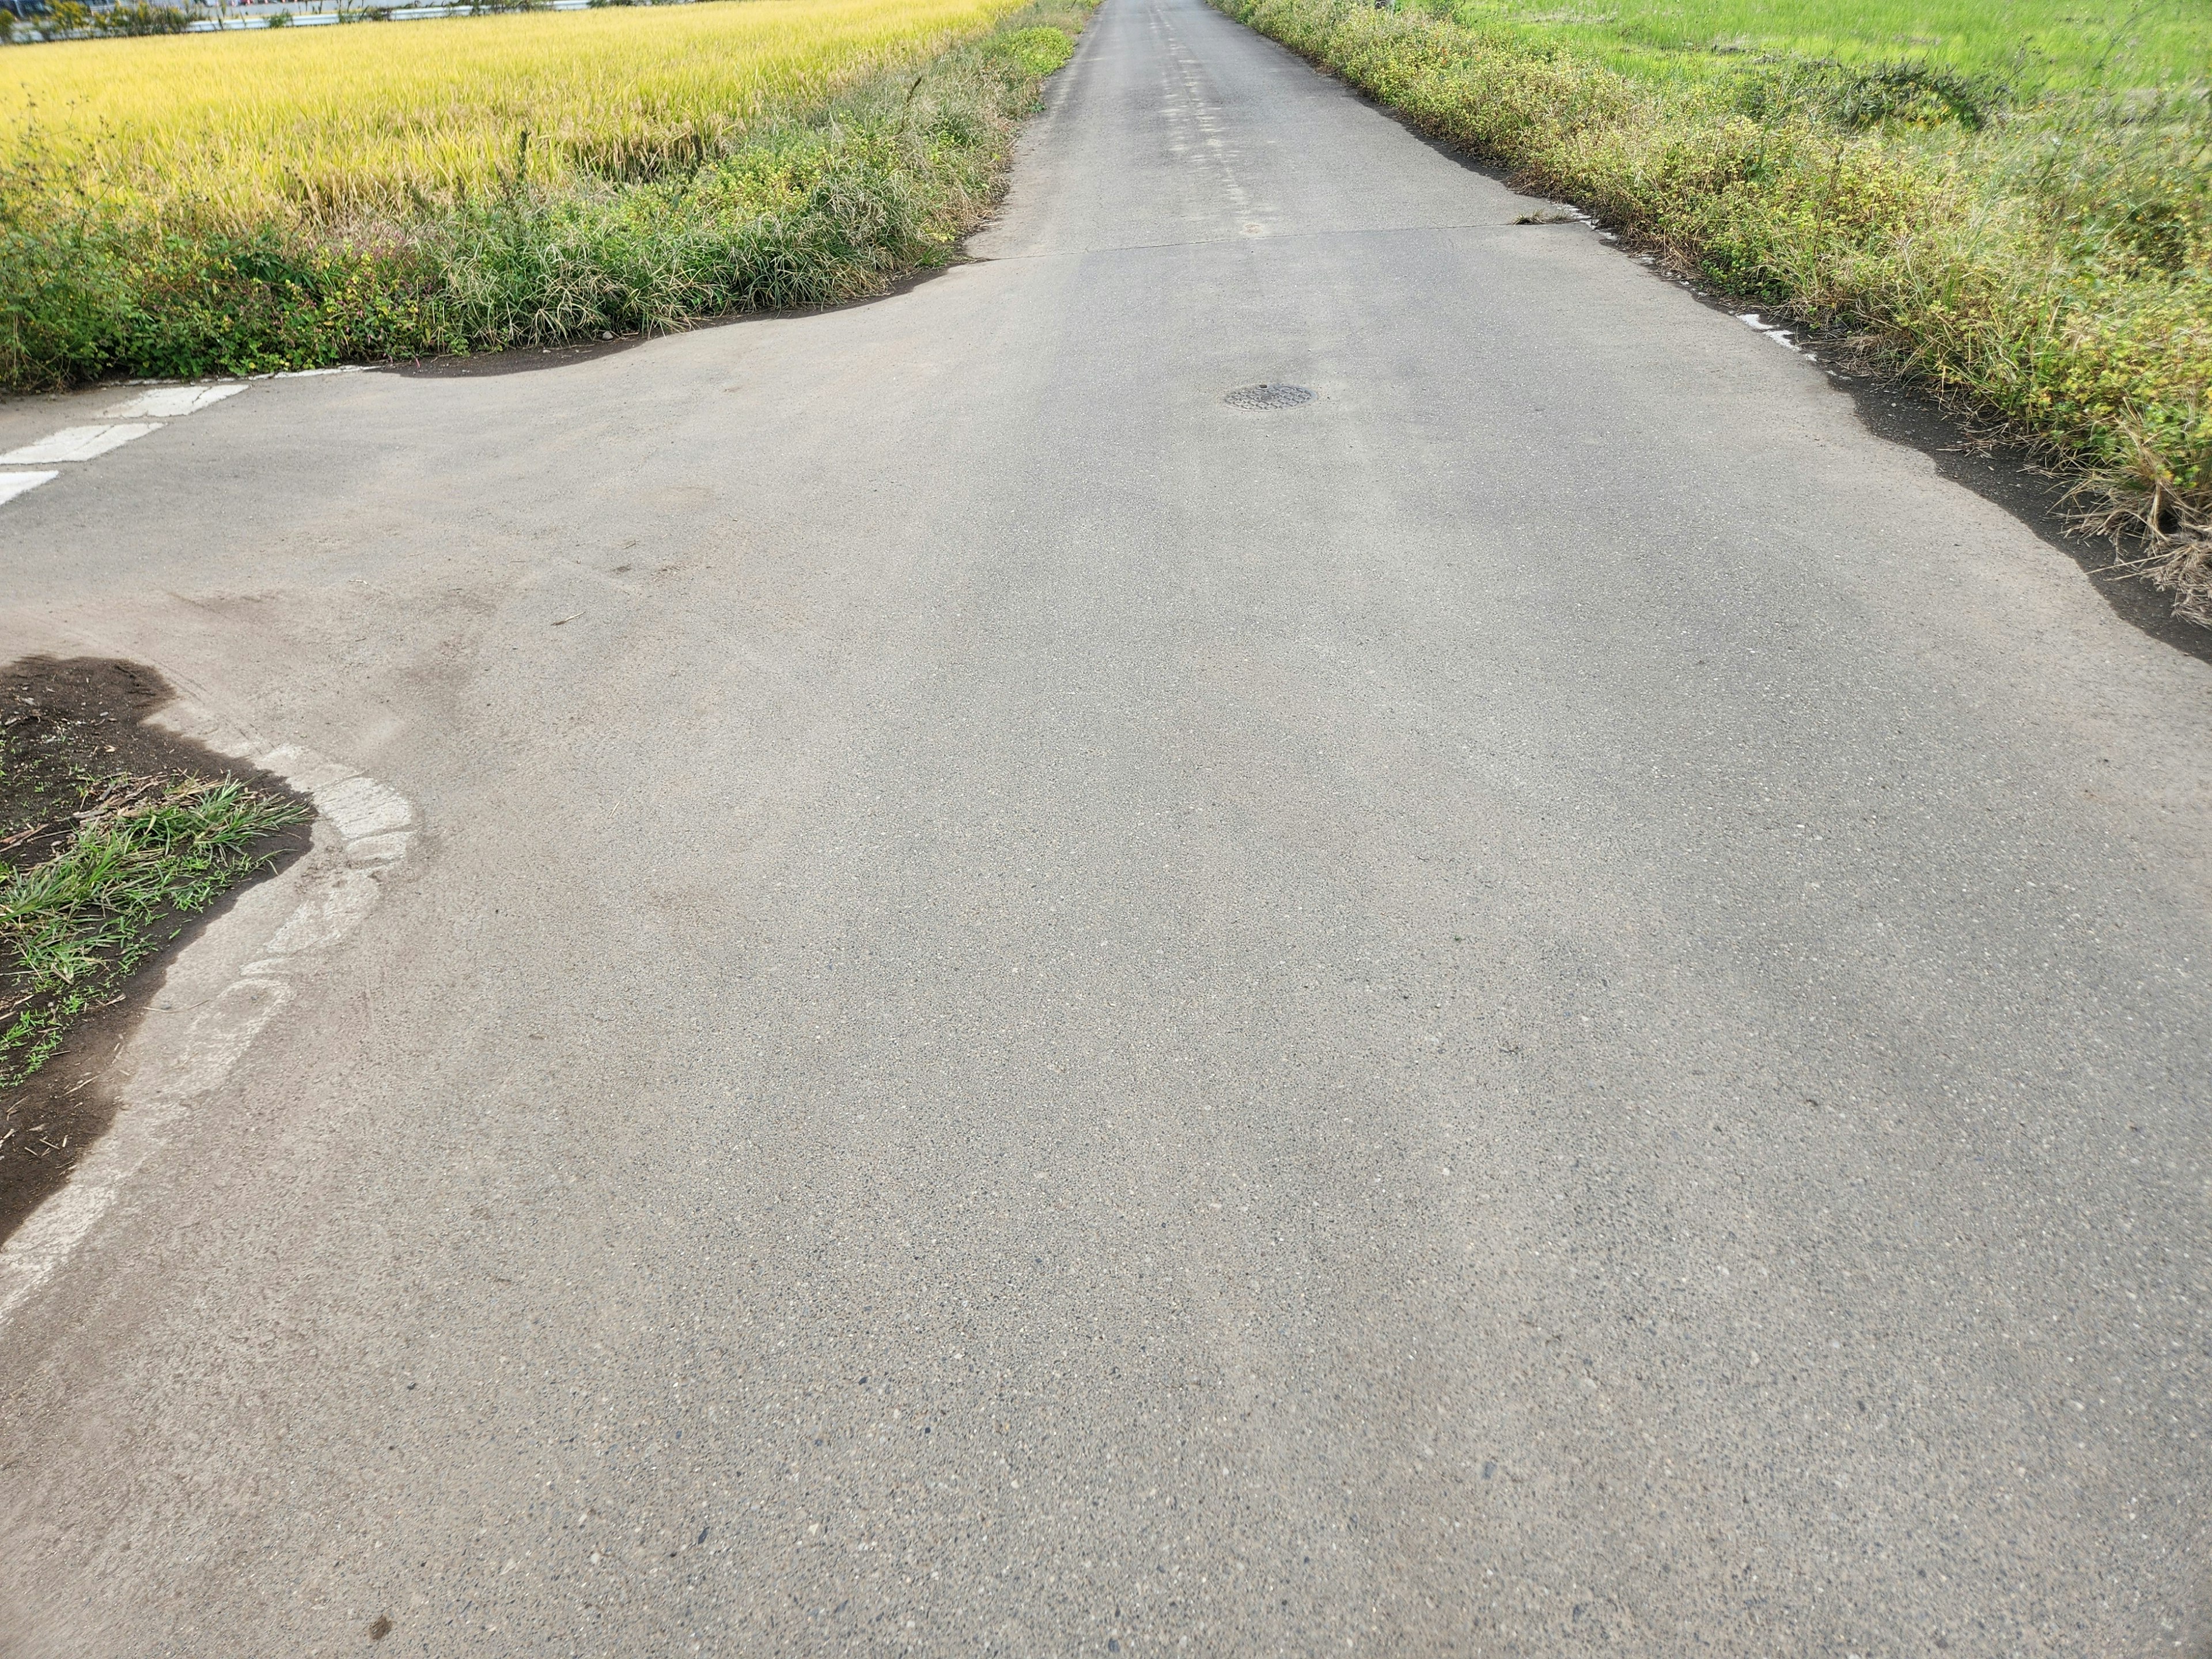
(1555,1004)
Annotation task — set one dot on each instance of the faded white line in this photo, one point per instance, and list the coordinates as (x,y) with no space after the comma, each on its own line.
(78,443)
(363,831)
(13,484)
(158,401)
(1773,331)
(168,402)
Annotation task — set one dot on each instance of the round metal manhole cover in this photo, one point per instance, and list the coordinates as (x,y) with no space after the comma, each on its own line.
(1269,395)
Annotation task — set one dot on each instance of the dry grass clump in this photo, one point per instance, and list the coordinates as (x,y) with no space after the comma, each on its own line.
(2050,262)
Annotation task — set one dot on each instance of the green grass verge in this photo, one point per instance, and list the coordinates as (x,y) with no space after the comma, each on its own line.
(885,181)
(145,853)
(2044,255)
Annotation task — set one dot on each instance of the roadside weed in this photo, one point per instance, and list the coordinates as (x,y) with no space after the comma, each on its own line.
(144,853)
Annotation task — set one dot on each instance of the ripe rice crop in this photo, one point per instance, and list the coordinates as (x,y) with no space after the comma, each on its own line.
(337,124)
(237,203)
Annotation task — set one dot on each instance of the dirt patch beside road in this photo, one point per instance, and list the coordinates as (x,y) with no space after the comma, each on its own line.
(119,841)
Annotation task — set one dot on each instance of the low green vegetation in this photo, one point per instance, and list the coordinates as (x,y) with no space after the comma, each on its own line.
(2011,202)
(2028,46)
(242,204)
(124,861)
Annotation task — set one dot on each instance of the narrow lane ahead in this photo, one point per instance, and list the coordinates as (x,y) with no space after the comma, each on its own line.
(1551,1002)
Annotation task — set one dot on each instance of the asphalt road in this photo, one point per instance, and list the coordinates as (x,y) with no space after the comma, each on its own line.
(1553,1004)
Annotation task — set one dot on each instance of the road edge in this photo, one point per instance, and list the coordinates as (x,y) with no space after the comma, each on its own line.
(363,831)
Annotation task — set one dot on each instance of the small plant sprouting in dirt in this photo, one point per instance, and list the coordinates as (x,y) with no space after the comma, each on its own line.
(132,859)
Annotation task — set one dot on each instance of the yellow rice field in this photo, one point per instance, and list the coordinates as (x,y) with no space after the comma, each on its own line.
(358,120)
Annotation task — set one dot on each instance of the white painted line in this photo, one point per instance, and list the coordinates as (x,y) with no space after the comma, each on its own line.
(363,831)
(13,484)
(167,402)
(1773,331)
(77,443)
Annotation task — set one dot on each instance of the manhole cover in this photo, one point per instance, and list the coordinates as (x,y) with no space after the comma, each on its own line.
(1268,396)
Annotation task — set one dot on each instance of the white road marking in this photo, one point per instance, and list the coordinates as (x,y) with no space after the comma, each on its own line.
(78,443)
(1773,331)
(167,403)
(363,831)
(13,484)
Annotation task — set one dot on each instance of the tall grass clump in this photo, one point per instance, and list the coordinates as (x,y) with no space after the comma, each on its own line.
(2045,256)
(234,203)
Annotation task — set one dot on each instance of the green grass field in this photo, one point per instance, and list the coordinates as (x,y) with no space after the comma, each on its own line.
(2032,45)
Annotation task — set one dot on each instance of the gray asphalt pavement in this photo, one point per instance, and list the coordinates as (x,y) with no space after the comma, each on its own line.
(1553,1004)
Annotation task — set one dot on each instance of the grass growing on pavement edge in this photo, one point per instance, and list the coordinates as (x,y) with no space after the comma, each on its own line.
(143,853)
(2046,259)
(826,202)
